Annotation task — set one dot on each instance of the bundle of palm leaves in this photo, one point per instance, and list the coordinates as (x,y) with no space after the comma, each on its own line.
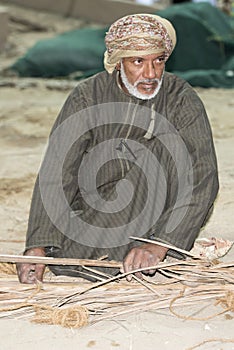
(74,302)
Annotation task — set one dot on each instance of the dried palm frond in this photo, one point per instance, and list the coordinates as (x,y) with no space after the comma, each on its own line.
(73,302)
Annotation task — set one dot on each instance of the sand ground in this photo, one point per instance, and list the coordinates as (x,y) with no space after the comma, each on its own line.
(28,108)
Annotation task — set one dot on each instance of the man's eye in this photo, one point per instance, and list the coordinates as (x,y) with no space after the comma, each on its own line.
(160,59)
(138,61)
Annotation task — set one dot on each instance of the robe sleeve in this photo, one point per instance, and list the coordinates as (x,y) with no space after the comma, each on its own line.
(187,210)
(42,231)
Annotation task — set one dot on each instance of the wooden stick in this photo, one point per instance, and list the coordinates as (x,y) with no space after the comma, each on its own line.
(166,246)
(28,259)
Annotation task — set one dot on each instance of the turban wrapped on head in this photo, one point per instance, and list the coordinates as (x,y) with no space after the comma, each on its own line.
(140,33)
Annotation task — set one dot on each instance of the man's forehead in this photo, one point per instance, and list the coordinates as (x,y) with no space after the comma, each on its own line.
(150,56)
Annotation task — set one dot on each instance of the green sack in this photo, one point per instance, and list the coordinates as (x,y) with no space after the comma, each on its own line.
(78,50)
(205,37)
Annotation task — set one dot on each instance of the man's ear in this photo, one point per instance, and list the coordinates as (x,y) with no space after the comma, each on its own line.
(117,67)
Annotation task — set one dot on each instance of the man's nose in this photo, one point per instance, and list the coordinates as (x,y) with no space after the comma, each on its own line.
(149,71)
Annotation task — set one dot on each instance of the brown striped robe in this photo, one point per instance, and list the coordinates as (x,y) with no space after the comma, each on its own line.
(182,108)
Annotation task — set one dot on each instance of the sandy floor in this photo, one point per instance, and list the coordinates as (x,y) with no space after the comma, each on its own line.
(27,112)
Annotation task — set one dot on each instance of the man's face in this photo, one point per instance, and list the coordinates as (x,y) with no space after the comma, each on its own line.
(141,76)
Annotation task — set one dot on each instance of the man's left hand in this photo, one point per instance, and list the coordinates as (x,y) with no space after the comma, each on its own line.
(143,256)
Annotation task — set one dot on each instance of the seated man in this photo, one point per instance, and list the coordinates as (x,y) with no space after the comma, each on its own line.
(130,154)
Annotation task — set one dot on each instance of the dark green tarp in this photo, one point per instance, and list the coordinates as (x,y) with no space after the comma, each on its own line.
(205,44)
(205,36)
(78,50)
(203,54)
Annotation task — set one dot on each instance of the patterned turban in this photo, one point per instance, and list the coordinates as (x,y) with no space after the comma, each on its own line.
(141,33)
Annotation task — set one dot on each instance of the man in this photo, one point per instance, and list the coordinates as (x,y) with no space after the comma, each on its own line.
(161,144)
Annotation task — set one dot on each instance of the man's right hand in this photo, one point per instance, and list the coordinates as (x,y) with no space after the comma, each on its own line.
(31,273)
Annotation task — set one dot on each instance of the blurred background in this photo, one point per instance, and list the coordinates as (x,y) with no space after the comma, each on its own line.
(66,38)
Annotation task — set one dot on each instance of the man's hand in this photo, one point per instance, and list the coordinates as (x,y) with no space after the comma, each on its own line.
(31,273)
(143,256)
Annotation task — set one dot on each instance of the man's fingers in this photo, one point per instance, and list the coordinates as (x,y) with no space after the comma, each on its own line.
(152,261)
(128,269)
(30,273)
(133,262)
(26,272)
(128,264)
(142,257)
(39,271)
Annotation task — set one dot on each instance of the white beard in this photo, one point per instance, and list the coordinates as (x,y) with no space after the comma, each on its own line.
(132,89)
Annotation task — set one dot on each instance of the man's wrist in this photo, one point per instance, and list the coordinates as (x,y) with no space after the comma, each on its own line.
(36,251)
